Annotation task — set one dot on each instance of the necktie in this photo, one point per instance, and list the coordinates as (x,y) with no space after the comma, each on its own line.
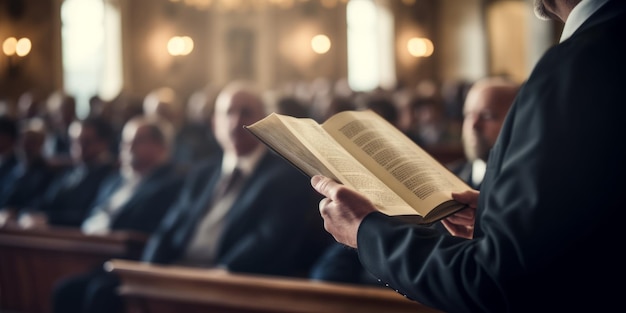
(226,184)
(203,244)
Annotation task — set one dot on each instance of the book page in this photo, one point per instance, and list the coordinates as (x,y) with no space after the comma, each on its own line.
(344,167)
(276,135)
(395,159)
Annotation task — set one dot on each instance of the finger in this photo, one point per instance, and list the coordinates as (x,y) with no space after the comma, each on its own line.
(459,220)
(452,228)
(323,205)
(459,230)
(469,197)
(466,214)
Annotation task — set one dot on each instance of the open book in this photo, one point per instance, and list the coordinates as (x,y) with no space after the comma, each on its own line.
(361,150)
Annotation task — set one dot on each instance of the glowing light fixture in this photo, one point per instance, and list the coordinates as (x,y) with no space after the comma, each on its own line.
(420,47)
(13,46)
(9,46)
(320,44)
(180,45)
(187,44)
(23,46)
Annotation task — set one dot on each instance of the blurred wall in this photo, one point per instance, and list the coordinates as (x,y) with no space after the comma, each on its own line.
(271,46)
(267,45)
(40,70)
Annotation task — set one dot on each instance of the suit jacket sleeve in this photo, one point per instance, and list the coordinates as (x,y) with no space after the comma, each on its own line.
(548,205)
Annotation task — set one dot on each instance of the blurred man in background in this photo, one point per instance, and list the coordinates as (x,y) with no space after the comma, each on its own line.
(68,199)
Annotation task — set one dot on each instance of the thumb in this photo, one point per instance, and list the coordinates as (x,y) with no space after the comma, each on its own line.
(323,185)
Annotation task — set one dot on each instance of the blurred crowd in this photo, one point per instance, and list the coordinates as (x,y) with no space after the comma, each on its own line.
(59,169)
(40,132)
(185,172)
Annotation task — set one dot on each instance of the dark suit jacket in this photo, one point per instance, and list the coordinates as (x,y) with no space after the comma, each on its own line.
(29,185)
(264,228)
(69,198)
(149,203)
(7,175)
(550,217)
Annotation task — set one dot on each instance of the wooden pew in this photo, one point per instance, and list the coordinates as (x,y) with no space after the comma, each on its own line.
(32,261)
(148,288)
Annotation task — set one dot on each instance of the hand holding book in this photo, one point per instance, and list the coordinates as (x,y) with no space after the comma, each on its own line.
(363,151)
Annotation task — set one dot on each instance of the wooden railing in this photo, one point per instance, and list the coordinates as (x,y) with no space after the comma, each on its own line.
(33,261)
(149,288)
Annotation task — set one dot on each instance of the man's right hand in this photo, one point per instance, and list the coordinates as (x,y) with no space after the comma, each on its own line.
(343,209)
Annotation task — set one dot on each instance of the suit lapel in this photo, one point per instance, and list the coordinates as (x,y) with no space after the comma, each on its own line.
(204,190)
(240,209)
(146,187)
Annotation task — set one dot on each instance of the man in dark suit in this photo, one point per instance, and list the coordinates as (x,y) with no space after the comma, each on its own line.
(32,174)
(135,198)
(259,226)
(8,161)
(486,105)
(60,114)
(548,225)
(485,108)
(257,223)
(8,142)
(68,199)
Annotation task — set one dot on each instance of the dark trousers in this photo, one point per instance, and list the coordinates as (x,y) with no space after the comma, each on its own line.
(91,292)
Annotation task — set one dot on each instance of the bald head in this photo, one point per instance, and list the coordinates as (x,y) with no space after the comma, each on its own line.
(145,143)
(238,104)
(485,108)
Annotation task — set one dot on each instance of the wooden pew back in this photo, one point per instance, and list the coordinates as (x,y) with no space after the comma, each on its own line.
(149,288)
(32,262)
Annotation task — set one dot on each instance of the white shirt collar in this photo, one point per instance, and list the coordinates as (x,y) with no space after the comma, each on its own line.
(245,163)
(579,15)
(479,167)
(129,175)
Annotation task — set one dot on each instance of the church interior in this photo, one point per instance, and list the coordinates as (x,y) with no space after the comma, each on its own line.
(116,59)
